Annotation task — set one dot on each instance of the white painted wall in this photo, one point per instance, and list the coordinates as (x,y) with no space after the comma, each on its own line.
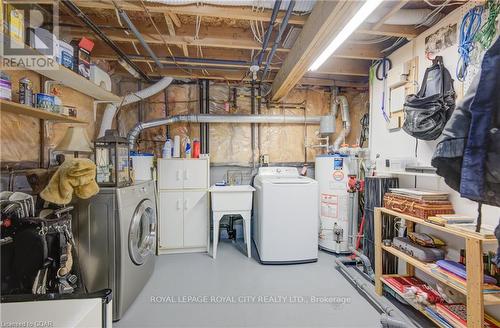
(399,144)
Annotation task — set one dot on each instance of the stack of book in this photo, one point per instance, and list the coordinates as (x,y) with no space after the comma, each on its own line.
(420,194)
(456,273)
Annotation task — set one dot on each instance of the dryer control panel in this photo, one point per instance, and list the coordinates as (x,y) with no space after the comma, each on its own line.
(279,171)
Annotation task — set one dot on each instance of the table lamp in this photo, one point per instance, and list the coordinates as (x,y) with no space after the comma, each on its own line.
(75,140)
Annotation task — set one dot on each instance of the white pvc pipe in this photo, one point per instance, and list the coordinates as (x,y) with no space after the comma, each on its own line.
(111,109)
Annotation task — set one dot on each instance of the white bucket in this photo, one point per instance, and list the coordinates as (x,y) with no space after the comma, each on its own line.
(142,164)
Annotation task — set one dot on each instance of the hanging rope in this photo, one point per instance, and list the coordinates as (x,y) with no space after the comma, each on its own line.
(485,36)
(468,28)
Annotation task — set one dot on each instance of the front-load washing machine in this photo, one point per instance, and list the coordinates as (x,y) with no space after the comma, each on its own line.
(115,233)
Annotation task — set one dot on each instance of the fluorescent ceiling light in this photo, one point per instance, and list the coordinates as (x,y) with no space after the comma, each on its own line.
(349,28)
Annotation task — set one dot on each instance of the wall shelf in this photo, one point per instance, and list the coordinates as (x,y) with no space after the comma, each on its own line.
(417,174)
(69,78)
(20,109)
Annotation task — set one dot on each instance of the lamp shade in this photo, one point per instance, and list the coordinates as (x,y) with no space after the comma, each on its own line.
(76,140)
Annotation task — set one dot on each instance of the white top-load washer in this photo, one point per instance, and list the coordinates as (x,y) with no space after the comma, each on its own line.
(285,221)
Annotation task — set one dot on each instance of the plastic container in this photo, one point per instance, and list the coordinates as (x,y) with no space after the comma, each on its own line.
(167,149)
(177,147)
(196,148)
(26,91)
(142,164)
(188,148)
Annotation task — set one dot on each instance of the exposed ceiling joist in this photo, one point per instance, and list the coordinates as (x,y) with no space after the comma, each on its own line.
(348,50)
(175,19)
(341,66)
(241,13)
(185,61)
(399,4)
(408,32)
(325,82)
(185,50)
(185,40)
(219,75)
(170,25)
(326,19)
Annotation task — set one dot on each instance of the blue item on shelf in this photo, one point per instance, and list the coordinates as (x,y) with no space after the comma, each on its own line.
(459,269)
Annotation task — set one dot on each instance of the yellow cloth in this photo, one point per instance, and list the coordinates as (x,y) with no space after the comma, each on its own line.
(73,176)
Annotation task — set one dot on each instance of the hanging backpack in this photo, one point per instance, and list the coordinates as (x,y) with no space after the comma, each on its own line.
(427,111)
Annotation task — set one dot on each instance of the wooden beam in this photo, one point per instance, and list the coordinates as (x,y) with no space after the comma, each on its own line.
(175,19)
(347,50)
(325,21)
(326,82)
(219,75)
(359,51)
(231,42)
(400,4)
(341,66)
(194,64)
(170,25)
(240,13)
(185,50)
(402,31)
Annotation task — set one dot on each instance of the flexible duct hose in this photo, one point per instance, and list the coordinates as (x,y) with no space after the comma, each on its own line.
(111,109)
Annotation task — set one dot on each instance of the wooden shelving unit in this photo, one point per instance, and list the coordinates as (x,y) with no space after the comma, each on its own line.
(415,305)
(472,288)
(20,109)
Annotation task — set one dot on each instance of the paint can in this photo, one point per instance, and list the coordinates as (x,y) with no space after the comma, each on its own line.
(26,91)
(44,101)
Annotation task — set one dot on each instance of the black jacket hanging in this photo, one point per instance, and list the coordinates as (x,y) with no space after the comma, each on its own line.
(427,111)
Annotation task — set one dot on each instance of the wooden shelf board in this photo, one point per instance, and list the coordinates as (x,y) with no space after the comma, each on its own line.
(77,82)
(450,230)
(20,109)
(489,299)
(417,174)
(416,306)
(70,79)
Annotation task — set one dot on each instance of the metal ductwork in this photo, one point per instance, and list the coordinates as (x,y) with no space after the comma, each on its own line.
(346,121)
(111,110)
(210,118)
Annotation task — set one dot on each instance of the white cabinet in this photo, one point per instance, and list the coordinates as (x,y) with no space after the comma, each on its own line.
(195,218)
(183,174)
(183,205)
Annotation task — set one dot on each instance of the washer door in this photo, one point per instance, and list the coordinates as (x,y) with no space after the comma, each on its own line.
(142,232)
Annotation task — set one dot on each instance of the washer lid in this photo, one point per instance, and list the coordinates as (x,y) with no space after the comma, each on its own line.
(287,180)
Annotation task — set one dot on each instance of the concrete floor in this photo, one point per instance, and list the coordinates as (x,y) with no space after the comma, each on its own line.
(193,290)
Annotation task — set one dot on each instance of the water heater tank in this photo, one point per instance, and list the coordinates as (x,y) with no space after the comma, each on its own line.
(338,207)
